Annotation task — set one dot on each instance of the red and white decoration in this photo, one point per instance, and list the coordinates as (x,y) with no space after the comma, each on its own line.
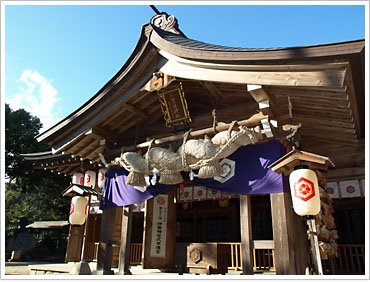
(90,178)
(305,192)
(213,194)
(78,178)
(200,193)
(78,210)
(346,189)
(101,177)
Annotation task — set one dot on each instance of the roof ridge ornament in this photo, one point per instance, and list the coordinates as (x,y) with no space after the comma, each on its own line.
(166,22)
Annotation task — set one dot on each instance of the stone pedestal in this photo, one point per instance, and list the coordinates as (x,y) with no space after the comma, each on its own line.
(81,268)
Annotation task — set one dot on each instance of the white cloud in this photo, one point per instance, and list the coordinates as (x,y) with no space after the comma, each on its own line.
(37,96)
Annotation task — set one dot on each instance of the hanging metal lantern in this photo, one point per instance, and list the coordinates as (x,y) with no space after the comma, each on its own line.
(305,192)
(78,178)
(90,178)
(101,177)
(78,210)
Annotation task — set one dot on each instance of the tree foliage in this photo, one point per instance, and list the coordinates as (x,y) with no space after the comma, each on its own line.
(35,194)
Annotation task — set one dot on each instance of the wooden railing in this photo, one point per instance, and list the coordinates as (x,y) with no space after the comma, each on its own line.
(350,259)
(136,250)
(91,251)
(263,255)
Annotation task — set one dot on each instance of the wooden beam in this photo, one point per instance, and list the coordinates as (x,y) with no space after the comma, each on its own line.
(326,139)
(343,173)
(313,120)
(246,234)
(227,114)
(69,144)
(248,123)
(106,134)
(309,93)
(354,106)
(212,89)
(320,114)
(319,78)
(92,153)
(133,109)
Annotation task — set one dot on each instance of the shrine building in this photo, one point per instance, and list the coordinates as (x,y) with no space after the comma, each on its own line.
(184,158)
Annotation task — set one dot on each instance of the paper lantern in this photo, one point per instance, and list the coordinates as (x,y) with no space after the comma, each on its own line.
(90,178)
(305,192)
(101,177)
(78,210)
(78,178)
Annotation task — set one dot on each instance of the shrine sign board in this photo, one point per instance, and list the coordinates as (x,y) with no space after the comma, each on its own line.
(174,105)
(159,231)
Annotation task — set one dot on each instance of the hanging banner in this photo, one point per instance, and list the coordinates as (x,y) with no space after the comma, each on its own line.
(245,172)
(159,229)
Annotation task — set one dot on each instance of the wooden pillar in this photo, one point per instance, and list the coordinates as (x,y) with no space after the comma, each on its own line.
(104,263)
(246,234)
(124,253)
(290,239)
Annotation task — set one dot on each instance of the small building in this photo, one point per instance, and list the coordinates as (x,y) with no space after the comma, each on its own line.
(173,89)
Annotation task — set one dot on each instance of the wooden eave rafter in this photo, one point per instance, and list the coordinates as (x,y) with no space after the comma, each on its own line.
(142,59)
(114,112)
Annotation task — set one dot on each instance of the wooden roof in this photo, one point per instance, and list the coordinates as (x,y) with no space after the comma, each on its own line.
(288,162)
(319,89)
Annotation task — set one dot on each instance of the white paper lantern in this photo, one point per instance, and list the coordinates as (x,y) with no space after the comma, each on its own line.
(90,178)
(78,178)
(78,210)
(305,192)
(101,177)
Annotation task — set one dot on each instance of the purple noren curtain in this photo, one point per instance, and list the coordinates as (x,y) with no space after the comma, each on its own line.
(246,172)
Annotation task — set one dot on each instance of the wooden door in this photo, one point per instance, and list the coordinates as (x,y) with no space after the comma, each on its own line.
(74,245)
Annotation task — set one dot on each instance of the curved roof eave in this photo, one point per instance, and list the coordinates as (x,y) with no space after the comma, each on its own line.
(74,118)
(186,48)
(155,40)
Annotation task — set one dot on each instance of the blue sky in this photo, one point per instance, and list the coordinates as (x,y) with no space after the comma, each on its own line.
(57,56)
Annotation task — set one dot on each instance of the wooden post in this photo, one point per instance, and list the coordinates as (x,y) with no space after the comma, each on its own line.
(124,253)
(246,234)
(291,251)
(83,259)
(315,246)
(281,224)
(104,263)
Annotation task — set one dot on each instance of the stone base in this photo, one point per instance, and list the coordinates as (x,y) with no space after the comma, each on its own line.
(102,272)
(81,268)
(126,272)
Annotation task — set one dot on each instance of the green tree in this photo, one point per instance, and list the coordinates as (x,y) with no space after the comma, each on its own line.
(35,194)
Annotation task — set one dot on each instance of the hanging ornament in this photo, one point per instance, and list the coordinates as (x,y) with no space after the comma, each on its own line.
(153,181)
(304,189)
(90,178)
(101,177)
(78,210)
(78,178)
